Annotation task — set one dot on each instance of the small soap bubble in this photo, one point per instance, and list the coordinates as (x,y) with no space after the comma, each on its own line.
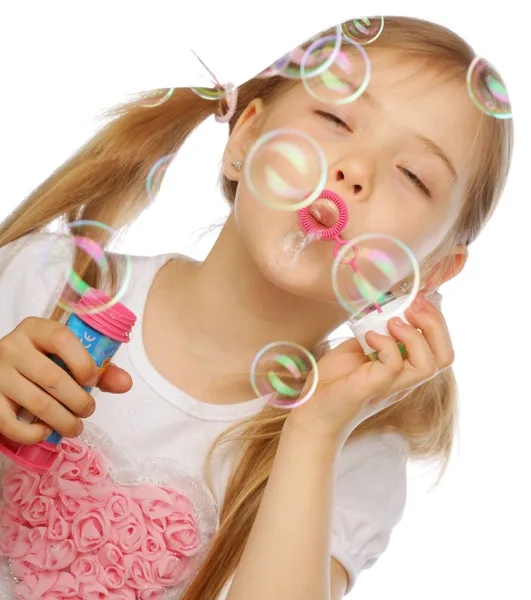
(289,65)
(286,169)
(70,287)
(215,93)
(156,98)
(344,80)
(368,267)
(285,374)
(156,175)
(487,89)
(363,31)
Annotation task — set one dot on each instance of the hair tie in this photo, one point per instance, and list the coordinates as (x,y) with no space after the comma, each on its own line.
(231,97)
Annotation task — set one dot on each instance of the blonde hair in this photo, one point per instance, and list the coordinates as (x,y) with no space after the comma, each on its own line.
(105,182)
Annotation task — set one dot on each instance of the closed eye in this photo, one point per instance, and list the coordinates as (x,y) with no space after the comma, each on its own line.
(331,117)
(416,181)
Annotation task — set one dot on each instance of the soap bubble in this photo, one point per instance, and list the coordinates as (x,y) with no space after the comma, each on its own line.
(156,175)
(286,169)
(289,65)
(344,80)
(215,93)
(61,245)
(381,263)
(487,89)
(285,374)
(155,98)
(364,30)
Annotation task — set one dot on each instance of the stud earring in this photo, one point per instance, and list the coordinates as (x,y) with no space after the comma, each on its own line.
(404,287)
(237,164)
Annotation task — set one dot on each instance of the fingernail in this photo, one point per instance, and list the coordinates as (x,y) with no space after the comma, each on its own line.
(398,322)
(418,303)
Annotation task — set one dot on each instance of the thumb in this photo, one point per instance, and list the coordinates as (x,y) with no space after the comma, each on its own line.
(115,380)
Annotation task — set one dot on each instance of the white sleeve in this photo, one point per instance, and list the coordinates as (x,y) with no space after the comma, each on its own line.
(370,498)
(32,272)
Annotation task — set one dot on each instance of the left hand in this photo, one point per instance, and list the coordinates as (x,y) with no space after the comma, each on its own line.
(351,387)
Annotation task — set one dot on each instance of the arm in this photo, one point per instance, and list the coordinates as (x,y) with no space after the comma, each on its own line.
(287,556)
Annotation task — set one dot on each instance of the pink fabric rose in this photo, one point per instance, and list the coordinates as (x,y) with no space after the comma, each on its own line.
(118,504)
(90,529)
(154,502)
(20,568)
(14,540)
(58,527)
(153,546)
(93,591)
(93,468)
(181,503)
(152,593)
(73,449)
(182,537)
(20,486)
(69,480)
(113,576)
(168,570)
(49,486)
(129,533)
(86,568)
(138,571)
(71,507)
(54,556)
(37,510)
(65,586)
(125,593)
(110,554)
(36,585)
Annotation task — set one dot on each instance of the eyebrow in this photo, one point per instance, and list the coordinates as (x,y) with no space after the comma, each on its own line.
(428,144)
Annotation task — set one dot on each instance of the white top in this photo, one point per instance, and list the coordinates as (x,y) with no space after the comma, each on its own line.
(157,420)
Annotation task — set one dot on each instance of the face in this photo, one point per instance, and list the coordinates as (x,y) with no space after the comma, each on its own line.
(400,156)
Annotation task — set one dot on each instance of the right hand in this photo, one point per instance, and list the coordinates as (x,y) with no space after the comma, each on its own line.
(30,379)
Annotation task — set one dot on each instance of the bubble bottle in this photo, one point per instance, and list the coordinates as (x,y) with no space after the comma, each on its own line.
(332,218)
(101,330)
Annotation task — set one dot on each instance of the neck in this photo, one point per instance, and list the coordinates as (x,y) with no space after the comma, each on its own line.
(226,311)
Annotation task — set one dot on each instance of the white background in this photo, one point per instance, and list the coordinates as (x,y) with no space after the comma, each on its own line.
(62,64)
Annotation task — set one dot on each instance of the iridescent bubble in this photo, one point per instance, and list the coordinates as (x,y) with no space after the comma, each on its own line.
(368,267)
(63,244)
(363,31)
(216,93)
(285,374)
(156,175)
(343,81)
(289,65)
(286,169)
(156,98)
(487,89)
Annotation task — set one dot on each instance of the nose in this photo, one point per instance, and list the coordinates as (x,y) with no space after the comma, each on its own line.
(354,180)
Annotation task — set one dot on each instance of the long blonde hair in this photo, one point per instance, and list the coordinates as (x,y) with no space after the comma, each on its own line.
(105,182)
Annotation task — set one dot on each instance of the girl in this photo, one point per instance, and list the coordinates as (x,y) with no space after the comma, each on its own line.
(306,498)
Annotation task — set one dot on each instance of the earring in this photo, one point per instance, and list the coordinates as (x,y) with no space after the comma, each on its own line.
(237,164)
(404,287)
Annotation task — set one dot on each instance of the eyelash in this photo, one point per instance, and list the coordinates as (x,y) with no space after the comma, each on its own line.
(415,180)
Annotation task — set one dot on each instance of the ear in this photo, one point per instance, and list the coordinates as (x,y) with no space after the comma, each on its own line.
(447,268)
(244,133)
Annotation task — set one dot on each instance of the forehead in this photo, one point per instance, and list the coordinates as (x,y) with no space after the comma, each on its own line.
(417,96)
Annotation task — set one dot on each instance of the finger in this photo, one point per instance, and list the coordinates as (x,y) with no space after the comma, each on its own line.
(55,338)
(115,380)
(419,354)
(57,384)
(384,371)
(430,320)
(18,431)
(24,392)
